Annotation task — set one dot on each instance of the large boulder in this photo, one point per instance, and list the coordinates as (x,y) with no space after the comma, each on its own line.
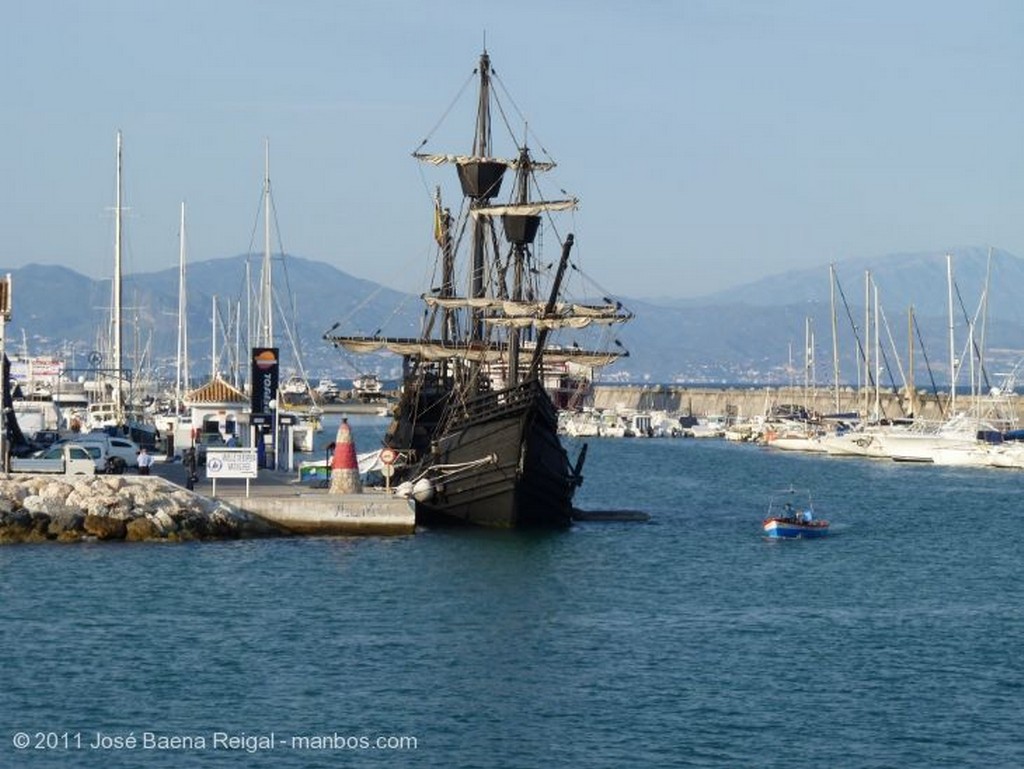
(66,526)
(33,504)
(56,491)
(165,522)
(105,527)
(23,526)
(142,529)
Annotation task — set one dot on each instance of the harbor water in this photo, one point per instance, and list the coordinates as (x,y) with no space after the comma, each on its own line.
(686,641)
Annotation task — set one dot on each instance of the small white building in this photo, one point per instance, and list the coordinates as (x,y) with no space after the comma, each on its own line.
(215,407)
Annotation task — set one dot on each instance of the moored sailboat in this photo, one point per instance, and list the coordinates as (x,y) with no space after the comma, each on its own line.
(475,423)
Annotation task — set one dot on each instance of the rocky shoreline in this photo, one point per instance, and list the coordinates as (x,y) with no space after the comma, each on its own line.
(38,508)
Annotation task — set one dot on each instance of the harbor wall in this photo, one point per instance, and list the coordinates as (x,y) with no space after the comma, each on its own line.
(748,402)
(320,514)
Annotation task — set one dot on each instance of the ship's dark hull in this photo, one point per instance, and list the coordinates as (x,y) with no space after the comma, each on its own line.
(501,464)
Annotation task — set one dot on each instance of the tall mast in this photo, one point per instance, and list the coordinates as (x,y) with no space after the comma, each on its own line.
(116,311)
(835,335)
(213,348)
(867,340)
(878,354)
(911,386)
(807,360)
(442,234)
(952,348)
(249,338)
(236,380)
(984,321)
(481,225)
(266,284)
(181,368)
(518,264)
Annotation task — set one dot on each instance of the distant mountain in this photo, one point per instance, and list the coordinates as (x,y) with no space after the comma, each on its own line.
(57,311)
(753,333)
(745,333)
(902,280)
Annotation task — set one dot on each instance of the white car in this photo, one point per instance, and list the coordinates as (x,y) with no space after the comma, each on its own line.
(118,453)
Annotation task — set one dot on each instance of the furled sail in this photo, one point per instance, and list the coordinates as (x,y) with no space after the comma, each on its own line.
(440,160)
(461,302)
(482,353)
(523,314)
(532,208)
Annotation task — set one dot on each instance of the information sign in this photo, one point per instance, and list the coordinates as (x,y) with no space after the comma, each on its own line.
(232,463)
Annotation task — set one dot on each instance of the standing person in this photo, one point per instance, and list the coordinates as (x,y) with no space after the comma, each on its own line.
(190,469)
(145,461)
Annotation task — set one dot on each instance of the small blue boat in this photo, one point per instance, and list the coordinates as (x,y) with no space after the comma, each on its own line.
(791,516)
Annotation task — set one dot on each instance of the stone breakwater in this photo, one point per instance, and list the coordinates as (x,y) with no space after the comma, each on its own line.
(38,508)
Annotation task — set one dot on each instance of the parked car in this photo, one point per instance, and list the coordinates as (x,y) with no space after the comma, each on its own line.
(112,454)
(45,438)
(65,458)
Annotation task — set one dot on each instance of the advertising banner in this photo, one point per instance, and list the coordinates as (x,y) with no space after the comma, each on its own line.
(264,378)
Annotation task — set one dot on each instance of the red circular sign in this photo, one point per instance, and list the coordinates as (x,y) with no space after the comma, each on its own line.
(388,456)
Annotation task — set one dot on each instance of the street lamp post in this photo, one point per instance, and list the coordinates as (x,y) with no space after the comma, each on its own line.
(273,406)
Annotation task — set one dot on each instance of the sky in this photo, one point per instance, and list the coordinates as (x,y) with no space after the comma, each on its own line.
(710,142)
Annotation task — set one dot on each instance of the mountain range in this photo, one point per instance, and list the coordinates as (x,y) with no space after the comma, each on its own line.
(752,333)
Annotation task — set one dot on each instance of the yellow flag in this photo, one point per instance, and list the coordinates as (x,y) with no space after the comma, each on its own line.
(438,227)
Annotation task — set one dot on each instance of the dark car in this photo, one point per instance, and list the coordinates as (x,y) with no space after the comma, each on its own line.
(44,438)
(208,441)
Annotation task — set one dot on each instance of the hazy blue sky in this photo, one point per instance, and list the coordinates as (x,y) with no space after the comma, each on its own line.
(709,142)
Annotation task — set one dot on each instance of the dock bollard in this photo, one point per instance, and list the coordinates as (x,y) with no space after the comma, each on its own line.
(344,465)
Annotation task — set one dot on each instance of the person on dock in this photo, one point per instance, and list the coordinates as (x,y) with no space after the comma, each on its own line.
(145,460)
(191,476)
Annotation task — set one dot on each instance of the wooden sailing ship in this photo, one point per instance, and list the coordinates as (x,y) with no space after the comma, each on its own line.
(475,422)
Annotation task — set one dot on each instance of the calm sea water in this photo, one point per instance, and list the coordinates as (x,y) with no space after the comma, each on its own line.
(686,641)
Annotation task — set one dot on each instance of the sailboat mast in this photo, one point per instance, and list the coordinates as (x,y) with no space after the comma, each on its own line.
(181,367)
(835,335)
(266,285)
(213,349)
(514,335)
(481,224)
(867,341)
(984,322)
(236,378)
(442,234)
(116,310)
(878,354)
(807,360)
(249,340)
(911,386)
(518,265)
(952,347)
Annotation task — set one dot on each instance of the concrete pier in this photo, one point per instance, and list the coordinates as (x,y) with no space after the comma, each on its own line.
(320,513)
(279,499)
